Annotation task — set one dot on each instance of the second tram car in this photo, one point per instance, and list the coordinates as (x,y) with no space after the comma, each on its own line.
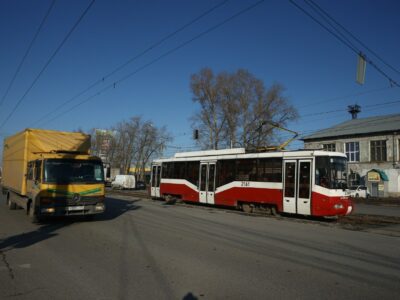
(306,182)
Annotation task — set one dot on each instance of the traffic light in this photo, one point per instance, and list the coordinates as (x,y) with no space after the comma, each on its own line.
(196,134)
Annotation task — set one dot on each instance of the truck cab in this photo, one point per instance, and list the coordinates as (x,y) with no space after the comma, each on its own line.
(64,184)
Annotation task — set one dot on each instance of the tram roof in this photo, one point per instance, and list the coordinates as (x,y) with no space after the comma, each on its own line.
(236,153)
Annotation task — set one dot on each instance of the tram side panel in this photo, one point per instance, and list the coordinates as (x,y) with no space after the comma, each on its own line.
(179,188)
(243,192)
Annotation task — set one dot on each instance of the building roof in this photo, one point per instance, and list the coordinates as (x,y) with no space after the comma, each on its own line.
(364,126)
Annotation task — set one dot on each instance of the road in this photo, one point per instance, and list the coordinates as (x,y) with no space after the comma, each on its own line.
(143,249)
(382,210)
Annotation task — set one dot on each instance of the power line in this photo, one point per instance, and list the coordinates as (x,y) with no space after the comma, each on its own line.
(47,63)
(349,45)
(132,59)
(348,96)
(27,52)
(352,35)
(341,110)
(169,52)
(327,20)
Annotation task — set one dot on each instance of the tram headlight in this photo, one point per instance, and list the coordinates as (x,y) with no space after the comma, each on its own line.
(338,206)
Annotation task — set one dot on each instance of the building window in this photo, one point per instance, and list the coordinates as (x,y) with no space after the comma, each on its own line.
(329,147)
(353,151)
(354,179)
(378,150)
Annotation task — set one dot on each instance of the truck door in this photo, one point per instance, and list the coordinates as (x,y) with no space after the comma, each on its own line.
(30,178)
(207,182)
(155,181)
(33,178)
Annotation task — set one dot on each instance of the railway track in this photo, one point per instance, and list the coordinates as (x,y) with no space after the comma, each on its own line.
(352,222)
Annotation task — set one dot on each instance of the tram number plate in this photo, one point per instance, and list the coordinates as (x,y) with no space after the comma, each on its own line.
(245,183)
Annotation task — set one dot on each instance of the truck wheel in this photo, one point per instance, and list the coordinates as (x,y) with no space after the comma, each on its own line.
(32,215)
(11,205)
(357,195)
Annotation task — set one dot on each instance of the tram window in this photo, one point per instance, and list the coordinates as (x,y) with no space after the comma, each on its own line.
(246,170)
(226,172)
(192,171)
(203,177)
(167,170)
(179,170)
(153,176)
(270,169)
(290,177)
(304,180)
(322,171)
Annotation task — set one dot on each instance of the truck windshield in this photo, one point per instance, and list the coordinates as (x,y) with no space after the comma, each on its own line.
(330,172)
(65,171)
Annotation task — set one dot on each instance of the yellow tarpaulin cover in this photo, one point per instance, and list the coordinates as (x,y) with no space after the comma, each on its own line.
(28,145)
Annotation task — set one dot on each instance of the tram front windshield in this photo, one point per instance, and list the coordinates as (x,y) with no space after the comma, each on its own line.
(330,172)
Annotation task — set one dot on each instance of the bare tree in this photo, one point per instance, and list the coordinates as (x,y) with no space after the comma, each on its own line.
(131,143)
(211,117)
(236,109)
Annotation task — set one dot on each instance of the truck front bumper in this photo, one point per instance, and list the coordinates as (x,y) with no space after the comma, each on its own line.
(75,210)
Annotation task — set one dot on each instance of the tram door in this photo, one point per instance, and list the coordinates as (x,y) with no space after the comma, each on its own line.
(207,182)
(155,181)
(297,187)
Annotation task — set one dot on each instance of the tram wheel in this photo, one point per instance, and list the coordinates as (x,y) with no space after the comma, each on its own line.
(274,212)
(170,199)
(247,208)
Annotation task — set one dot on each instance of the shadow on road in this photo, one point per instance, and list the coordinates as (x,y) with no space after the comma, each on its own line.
(116,207)
(190,296)
(49,227)
(27,239)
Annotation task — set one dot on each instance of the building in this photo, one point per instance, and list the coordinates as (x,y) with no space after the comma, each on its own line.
(103,140)
(372,146)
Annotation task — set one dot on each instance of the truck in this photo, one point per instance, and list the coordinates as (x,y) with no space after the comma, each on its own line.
(124,182)
(51,173)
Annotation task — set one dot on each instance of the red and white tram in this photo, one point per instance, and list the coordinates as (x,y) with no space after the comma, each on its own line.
(306,182)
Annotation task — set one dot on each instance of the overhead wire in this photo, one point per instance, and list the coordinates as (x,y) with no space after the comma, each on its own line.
(131,60)
(47,63)
(165,54)
(349,45)
(3,98)
(352,35)
(341,110)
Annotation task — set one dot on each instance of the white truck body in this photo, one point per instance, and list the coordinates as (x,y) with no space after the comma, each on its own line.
(124,182)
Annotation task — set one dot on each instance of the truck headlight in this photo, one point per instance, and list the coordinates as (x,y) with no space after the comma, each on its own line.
(99,207)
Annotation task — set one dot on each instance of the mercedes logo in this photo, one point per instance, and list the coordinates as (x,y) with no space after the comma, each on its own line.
(76,197)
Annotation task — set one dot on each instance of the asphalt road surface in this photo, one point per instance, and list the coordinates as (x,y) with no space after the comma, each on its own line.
(382,210)
(143,249)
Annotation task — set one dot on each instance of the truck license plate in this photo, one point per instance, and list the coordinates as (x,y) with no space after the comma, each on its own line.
(76,207)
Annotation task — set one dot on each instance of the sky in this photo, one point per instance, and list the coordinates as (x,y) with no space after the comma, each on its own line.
(274,40)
